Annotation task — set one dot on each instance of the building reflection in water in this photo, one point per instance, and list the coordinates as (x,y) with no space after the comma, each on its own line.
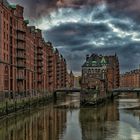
(97,123)
(105,122)
(46,124)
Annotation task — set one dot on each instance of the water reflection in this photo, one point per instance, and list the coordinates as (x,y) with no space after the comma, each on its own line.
(110,123)
(45,124)
(97,123)
(49,123)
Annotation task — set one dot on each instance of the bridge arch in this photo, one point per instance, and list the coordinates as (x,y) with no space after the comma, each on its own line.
(70,90)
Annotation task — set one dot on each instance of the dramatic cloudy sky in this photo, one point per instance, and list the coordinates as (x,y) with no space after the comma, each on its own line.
(80,27)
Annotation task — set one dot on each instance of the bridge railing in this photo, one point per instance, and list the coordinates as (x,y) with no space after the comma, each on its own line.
(68,89)
(126,89)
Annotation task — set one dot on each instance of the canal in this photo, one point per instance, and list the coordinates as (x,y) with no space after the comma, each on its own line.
(64,120)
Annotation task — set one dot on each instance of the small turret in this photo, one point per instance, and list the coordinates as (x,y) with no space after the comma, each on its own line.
(87,57)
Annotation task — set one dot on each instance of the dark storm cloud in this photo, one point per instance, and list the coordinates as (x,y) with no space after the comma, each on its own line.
(39,8)
(128,60)
(70,34)
(109,35)
(36,8)
(79,27)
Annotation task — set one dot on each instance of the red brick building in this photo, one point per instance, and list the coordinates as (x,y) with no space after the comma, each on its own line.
(100,72)
(70,80)
(130,79)
(28,64)
(113,72)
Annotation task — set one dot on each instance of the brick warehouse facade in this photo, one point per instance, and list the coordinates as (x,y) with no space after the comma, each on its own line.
(100,72)
(28,64)
(130,79)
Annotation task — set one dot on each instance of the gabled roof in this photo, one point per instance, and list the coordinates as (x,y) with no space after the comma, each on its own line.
(95,61)
(12,6)
(26,21)
(103,61)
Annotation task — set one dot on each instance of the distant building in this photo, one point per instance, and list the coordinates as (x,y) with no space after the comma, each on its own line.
(70,80)
(77,81)
(130,79)
(100,72)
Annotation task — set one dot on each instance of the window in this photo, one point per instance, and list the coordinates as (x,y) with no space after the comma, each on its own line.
(7,26)
(4,57)
(4,13)
(4,35)
(7,16)
(4,45)
(4,24)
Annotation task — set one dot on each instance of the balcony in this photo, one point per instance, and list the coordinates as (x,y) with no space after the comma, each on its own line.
(39,81)
(50,56)
(20,78)
(21,39)
(50,76)
(58,67)
(20,56)
(40,71)
(39,53)
(50,66)
(21,30)
(39,58)
(58,71)
(51,82)
(39,65)
(21,47)
(50,61)
(50,70)
(39,47)
(21,65)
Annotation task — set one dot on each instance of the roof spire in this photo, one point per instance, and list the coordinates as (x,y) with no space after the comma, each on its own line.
(103,61)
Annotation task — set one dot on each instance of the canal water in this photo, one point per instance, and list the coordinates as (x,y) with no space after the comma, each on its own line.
(64,120)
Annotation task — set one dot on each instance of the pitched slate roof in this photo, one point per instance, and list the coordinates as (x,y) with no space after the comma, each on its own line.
(95,61)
